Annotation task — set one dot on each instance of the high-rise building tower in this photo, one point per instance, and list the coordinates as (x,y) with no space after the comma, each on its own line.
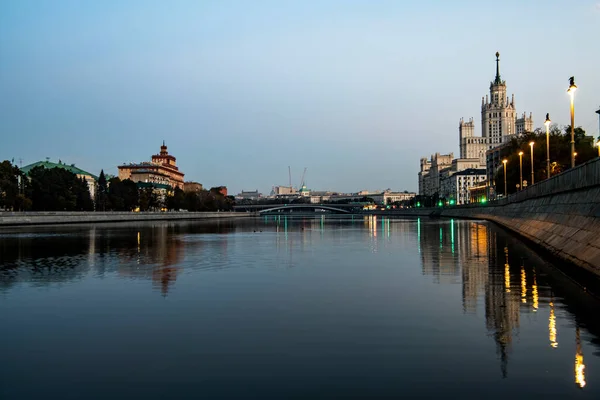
(498,114)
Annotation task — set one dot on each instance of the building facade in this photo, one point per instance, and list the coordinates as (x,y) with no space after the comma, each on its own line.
(162,170)
(499,124)
(429,182)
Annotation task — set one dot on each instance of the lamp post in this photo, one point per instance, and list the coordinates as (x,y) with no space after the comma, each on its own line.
(598,112)
(547,123)
(521,168)
(505,190)
(531,145)
(571,91)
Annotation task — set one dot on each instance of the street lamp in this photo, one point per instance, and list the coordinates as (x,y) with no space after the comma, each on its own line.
(531,145)
(521,168)
(505,190)
(547,123)
(571,91)
(598,112)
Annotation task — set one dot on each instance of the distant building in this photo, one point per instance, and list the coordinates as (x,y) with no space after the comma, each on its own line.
(192,187)
(89,178)
(220,189)
(456,186)
(429,181)
(283,191)
(424,174)
(248,195)
(162,170)
(318,197)
(499,124)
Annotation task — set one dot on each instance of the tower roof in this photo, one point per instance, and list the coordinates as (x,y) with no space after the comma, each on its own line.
(497,80)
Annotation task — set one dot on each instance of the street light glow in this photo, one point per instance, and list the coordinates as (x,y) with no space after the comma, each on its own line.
(520,153)
(571,91)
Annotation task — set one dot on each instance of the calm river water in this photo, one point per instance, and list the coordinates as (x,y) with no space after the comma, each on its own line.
(279,308)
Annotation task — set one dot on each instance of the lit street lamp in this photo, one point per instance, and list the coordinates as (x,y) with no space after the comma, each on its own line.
(547,123)
(598,112)
(571,91)
(521,168)
(531,144)
(505,190)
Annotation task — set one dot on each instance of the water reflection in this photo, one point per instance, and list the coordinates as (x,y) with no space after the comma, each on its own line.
(499,282)
(149,251)
(508,291)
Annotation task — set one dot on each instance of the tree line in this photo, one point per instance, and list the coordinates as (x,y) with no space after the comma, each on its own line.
(54,189)
(560,155)
(57,189)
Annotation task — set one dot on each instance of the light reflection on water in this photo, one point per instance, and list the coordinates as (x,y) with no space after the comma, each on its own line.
(327,306)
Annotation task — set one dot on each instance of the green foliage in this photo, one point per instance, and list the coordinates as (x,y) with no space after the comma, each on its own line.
(560,155)
(102,192)
(177,200)
(57,189)
(10,175)
(122,195)
(204,200)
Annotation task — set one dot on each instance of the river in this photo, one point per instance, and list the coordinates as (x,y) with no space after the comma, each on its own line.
(281,308)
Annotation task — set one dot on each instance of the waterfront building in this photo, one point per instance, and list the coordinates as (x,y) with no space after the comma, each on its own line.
(162,170)
(455,186)
(499,124)
(90,179)
(429,176)
(424,175)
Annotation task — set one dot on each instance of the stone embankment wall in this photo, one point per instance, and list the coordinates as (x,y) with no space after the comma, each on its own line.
(45,218)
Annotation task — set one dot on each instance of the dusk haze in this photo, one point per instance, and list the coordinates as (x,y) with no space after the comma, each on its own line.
(299,199)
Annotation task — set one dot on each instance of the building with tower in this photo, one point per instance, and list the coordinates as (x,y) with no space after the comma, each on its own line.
(499,121)
(162,171)
(499,124)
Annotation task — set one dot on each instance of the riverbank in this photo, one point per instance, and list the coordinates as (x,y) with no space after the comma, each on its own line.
(560,214)
(54,218)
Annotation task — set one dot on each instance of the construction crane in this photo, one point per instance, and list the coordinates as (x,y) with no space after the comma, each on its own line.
(302,181)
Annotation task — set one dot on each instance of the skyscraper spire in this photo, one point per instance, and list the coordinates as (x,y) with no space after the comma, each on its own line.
(497,81)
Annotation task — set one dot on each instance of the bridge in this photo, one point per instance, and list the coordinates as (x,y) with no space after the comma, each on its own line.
(291,207)
(261,208)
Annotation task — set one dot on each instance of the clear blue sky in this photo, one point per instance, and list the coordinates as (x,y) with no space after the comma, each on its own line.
(357,91)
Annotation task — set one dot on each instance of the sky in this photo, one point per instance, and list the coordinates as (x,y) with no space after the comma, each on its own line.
(354,91)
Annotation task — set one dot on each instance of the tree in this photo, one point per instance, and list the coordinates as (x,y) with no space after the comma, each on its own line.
(102,192)
(122,195)
(57,189)
(560,155)
(148,199)
(9,185)
(177,200)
